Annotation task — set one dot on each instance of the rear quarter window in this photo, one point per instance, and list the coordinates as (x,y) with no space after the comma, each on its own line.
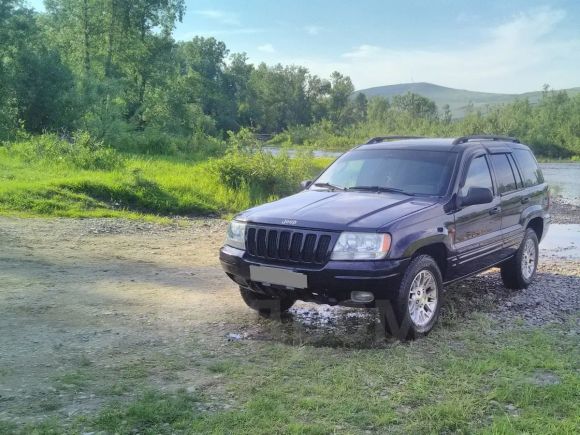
(531,173)
(506,181)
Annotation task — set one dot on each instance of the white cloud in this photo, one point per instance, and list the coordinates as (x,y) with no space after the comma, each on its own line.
(313,30)
(267,48)
(518,55)
(222,17)
(363,51)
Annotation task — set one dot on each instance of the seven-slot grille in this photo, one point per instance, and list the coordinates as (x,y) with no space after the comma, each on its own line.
(300,246)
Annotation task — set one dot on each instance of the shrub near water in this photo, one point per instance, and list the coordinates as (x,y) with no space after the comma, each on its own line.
(264,175)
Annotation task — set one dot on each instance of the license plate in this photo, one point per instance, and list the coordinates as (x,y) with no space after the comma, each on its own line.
(275,276)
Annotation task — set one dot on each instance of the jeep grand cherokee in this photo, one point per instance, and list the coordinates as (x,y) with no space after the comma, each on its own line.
(391,222)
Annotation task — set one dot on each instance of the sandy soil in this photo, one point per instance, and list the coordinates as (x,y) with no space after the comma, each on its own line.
(118,295)
(107,292)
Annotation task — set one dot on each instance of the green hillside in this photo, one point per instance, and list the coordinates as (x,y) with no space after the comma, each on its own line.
(458,99)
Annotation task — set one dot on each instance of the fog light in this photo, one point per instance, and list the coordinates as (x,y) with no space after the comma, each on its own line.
(362,297)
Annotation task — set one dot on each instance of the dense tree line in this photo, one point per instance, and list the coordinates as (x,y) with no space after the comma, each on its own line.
(113,69)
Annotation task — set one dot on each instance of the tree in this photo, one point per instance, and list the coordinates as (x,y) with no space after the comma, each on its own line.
(360,106)
(415,105)
(203,60)
(16,23)
(446,114)
(340,92)
(378,109)
(238,74)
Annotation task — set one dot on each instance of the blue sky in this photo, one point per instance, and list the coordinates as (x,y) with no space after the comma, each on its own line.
(487,45)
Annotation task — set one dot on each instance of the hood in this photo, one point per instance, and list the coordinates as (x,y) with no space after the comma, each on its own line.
(337,210)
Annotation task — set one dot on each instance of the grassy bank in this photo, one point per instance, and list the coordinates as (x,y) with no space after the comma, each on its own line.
(48,177)
(469,379)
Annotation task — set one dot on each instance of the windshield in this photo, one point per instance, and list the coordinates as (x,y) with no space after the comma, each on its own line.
(415,172)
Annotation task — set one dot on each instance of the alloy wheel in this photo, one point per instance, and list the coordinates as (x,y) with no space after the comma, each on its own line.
(423,298)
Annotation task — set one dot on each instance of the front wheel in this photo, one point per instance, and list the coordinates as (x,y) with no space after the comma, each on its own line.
(266,306)
(519,272)
(415,309)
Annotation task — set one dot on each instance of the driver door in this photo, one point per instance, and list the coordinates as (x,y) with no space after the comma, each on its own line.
(477,227)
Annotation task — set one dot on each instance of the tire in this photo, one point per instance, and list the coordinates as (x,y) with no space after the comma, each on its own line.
(519,272)
(414,310)
(266,306)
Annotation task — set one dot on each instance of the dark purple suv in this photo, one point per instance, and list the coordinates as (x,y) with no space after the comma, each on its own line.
(389,223)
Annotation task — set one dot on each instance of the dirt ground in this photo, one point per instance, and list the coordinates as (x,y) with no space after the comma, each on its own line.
(123,297)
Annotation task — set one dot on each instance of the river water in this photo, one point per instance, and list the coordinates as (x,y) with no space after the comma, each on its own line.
(564,179)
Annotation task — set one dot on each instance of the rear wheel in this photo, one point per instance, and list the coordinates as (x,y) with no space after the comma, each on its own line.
(519,271)
(415,309)
(267,306)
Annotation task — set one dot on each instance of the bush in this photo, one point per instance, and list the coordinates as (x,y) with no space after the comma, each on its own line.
(154,141)
(265,175)
(81,151)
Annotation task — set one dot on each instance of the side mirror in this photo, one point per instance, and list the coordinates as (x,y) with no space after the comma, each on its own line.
(305,184)
(476,195)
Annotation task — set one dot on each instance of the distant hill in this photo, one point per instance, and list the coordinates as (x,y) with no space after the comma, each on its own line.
(458,99)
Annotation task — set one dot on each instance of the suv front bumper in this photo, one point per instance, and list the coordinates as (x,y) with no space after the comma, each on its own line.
(329,283)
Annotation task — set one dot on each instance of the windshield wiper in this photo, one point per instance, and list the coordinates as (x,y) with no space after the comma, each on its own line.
(329,186)
(381,189)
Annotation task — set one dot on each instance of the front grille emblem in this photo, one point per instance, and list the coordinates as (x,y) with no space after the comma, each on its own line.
(289,222)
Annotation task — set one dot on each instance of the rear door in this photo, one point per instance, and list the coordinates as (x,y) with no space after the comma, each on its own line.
(512,200)
(534,187)
(477,227)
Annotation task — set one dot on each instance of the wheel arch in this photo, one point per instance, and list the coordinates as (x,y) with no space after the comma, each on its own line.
(537,224)
(438,251)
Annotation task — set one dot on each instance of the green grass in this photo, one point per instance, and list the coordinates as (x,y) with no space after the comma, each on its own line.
(143,187)
(473,379)
(152,413)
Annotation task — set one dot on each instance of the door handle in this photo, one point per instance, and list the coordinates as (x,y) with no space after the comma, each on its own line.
(495,210)
(525,199)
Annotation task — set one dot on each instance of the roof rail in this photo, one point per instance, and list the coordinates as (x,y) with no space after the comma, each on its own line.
(380,139)
(464,139)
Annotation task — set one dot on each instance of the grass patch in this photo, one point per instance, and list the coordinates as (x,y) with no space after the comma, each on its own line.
(146,186)
(424,387)
(74,380)
(469,379)
(153,413)
(225,367)
(8,427)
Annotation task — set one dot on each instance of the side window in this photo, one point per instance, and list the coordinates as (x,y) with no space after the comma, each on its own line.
(506,181)
(477,175)
(531,174)
(516,171)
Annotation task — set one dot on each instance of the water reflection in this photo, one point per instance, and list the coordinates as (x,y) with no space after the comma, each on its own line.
(562,241)
(563,178)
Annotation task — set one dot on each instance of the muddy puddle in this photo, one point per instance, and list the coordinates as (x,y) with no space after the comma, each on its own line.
(562,241)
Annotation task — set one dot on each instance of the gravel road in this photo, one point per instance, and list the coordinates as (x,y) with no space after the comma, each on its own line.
(112,293)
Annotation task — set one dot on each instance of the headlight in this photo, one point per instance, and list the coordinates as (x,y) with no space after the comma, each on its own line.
(361,246)
(236,235)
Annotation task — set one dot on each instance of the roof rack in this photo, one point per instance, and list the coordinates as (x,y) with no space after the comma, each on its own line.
(464,139)
(380,139)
